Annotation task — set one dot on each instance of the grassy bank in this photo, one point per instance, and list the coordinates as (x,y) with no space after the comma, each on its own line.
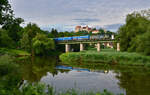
(108,56)
(13,52)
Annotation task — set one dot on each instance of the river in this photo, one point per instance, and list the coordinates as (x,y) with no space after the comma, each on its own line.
(133,80)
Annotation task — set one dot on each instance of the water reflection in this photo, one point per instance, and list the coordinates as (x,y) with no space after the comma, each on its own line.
(135,81)
(33,69)
(62,67)
(84,81)
(128,80)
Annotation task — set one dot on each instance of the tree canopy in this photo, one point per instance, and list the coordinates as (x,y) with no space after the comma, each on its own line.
(5,40)
(42,45)
(136,28)
(5,11)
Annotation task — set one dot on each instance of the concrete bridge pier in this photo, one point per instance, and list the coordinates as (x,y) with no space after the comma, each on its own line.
(81,47)
(98,47)
(67,47)
(118,46)
(108,44)
(90,44)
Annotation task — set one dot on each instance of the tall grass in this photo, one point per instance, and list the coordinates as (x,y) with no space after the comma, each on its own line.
(108,56)
(41,89)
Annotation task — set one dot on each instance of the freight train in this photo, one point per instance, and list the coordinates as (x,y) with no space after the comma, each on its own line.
(80,38)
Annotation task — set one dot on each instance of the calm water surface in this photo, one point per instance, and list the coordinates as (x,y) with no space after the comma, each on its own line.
(127,80)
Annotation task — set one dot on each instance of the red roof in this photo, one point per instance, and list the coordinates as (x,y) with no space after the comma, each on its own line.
(89,29)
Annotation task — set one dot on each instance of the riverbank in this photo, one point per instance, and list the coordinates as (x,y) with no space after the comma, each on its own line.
(108,56)
(13,52)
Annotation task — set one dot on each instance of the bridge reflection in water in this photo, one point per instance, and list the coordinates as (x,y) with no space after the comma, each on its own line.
(80,69)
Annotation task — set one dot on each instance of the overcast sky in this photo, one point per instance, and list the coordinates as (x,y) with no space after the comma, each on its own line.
(66,14)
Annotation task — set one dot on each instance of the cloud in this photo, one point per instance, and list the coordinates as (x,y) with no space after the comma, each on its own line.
(59,27)
(113,27)
(86,20)
(76,12)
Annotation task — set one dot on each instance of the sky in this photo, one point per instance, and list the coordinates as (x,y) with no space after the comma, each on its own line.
(64,15)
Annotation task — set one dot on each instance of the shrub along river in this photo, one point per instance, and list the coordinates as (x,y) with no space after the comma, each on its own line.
(133,80)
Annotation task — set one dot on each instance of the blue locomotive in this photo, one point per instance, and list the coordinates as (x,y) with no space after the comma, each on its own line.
(80,38)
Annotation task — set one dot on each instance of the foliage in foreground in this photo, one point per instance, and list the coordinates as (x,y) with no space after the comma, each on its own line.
(39,89)
(110,56)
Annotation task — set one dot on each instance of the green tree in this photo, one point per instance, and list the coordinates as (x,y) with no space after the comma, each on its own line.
(137,24)
(54,33)
(42,45)
(5,11)
(9,22)
(61,34)
(5,40)
(143,43)
(14,28)
(32,30)
(25,43)
(29,32)
(101,31)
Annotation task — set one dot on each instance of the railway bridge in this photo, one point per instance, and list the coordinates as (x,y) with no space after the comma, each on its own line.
(108,43)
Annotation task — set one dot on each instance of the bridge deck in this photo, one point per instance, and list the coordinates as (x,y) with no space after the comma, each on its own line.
(85,41)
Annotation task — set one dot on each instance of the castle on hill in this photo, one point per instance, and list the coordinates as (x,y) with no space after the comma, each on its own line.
(80,28)
(86,28)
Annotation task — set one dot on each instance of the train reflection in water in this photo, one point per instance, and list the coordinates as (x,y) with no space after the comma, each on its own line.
(81,69)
